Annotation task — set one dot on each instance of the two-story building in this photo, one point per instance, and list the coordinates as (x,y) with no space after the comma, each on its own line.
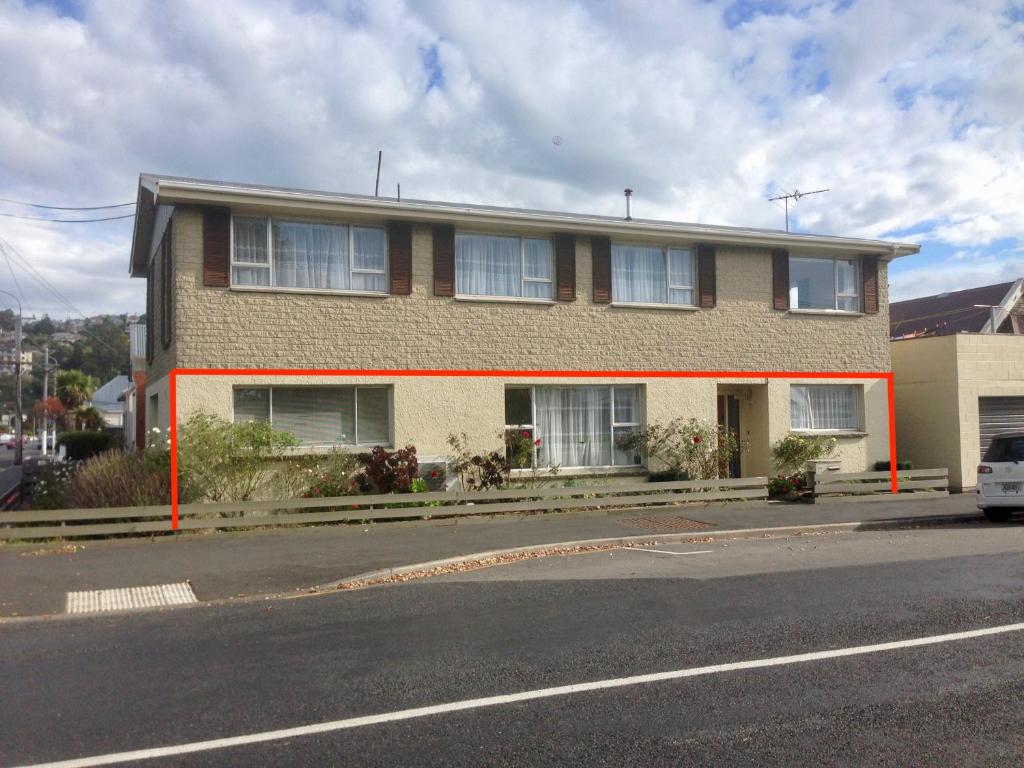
(247,278)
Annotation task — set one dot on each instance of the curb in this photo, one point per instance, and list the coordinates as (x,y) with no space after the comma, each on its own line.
(384,574)
(378,577)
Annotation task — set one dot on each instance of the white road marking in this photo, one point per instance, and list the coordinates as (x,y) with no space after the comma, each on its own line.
(666,552)
(130,597)
(512,698)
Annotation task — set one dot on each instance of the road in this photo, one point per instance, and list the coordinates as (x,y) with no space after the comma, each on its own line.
(92,686)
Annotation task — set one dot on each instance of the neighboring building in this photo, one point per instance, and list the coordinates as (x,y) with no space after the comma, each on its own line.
(8,360)
(107,400)
(134,395)
(249,277)
(63,337)
(956,382)
(972,310)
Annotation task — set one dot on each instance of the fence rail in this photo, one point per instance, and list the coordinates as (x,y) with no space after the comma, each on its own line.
(32,524)
(871,486)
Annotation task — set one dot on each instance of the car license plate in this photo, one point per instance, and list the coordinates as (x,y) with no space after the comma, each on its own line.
(1011,487)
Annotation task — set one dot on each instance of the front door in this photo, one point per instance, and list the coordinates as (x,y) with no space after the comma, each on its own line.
(729,419)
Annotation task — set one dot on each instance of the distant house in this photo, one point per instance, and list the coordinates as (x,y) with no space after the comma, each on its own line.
(107,400)
(957,382)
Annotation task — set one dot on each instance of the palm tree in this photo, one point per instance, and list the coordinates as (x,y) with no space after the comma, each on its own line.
(74,390)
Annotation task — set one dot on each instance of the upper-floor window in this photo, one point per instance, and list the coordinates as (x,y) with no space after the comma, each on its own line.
(828,407)
(497,265)
(297,254)
(823,283)
(320,415)
(643,274)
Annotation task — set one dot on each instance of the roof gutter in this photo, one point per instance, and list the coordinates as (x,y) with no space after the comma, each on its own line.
(175,191)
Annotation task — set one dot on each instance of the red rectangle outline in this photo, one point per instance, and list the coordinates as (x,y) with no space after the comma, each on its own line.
(427,372)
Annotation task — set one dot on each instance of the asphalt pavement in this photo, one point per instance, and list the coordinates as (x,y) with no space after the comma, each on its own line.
(35,578)
(93,686)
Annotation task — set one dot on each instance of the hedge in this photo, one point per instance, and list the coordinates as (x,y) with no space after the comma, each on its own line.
(82,445)
(901,466)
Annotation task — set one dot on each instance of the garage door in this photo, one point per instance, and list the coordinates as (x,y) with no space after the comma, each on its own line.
(998,414)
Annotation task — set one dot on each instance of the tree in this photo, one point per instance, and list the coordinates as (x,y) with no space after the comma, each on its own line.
(51,408)
(44,326)
(102,350)
(75,388)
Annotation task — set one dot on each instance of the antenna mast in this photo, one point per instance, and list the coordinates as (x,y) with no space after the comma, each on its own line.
(795,195)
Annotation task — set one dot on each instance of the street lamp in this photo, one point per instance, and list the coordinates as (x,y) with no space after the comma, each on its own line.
(19,416)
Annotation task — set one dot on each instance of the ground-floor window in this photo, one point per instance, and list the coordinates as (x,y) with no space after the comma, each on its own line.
(320,415)
(824,407)
(576,426)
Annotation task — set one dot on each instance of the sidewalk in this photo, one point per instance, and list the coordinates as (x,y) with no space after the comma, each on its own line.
(34,578)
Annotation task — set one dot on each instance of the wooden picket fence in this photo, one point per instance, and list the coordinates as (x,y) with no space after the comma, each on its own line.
(63,523)
(877,486)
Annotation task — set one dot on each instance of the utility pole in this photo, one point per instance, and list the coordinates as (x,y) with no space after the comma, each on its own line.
(19,452)
(795,196)
(46,408)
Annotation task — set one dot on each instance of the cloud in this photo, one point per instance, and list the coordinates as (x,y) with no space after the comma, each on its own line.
(910,113)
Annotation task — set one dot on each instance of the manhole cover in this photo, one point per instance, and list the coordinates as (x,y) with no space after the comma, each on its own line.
(665,523)
(125,599)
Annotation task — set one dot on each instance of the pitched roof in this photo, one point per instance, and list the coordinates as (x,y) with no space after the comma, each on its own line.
(106,397)
(945,313)
(156,190)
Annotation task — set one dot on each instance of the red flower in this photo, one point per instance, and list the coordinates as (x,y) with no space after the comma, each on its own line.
(525,433)
(434,474)
(697,439)
(537,442)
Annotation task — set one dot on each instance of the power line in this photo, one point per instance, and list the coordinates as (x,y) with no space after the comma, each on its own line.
(65,207)
(65,221)
(8,249)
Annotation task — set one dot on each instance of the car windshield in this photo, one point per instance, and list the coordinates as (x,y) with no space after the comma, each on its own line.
(1005,449)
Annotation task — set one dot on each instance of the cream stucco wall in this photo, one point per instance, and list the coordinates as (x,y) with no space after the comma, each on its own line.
(226,328)
(938,383)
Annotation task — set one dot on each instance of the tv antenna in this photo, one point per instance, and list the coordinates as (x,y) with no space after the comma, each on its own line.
(795,195)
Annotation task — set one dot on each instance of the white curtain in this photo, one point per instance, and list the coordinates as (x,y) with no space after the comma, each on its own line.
(310,255)
(487,265)
(680,277)
(250,237)
(368,259)
(638,274)
(574,426)
(537,269)
(823,406)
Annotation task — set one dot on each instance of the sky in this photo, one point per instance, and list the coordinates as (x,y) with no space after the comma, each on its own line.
(911,113)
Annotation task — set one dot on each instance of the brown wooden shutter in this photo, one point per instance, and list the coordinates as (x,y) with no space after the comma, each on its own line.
(400,257)
(217,247)
(780,279)
(565,267)
(601,258)
(706,278)
(444,260)
(869,283)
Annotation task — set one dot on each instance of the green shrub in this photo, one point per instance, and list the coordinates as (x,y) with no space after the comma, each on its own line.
(787,487)
(901,466)
(83,445)
(219,460)
(791,453)
(119,479)
(320,476)
(700,450)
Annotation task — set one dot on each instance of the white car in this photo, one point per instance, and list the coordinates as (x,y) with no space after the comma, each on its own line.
(1001,477)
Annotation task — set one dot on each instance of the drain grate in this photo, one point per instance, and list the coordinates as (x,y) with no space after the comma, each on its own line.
(665,523)
(125,599)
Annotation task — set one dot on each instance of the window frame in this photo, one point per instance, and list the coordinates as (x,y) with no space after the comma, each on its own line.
(858,294)
(355,411)
(666,252)
(269,266)
(641,406)
(523,279)
(858,406)
(166,289)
